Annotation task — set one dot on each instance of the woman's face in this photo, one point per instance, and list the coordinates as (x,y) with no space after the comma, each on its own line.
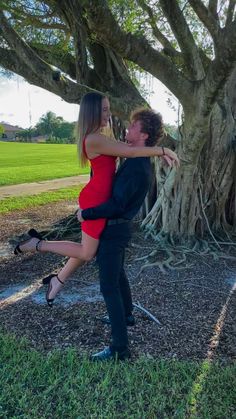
(106,113)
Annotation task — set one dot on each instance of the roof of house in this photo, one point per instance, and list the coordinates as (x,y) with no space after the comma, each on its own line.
(8,127)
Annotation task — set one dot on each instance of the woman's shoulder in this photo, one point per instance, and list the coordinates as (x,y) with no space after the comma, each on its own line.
(94,137)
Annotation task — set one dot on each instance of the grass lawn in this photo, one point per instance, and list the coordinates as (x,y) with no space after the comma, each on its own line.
(26,162)
(62,384)
(30,201)
(65,385)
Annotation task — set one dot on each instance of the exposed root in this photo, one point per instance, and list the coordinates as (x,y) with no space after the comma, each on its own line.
(173,256)
(206,219)
(139,307)
(153,253)
(68,227)
(148,265)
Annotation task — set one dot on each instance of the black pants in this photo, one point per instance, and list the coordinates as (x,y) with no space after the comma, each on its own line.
(114,284)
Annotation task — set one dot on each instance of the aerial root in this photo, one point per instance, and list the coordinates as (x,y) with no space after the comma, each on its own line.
(177,253)
(144,310)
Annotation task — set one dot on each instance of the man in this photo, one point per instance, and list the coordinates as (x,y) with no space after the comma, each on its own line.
(130,187)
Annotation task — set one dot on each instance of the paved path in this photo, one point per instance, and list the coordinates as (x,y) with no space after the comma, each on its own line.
(43,186)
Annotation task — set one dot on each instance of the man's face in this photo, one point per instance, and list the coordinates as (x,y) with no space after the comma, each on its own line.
(134,135)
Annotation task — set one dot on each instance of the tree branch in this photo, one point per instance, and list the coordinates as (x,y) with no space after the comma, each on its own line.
(72,14)
(23,50)
(136,49)
(23,8)
(230,12)
(23,60)
(212,7)
(69,91)
(40,72)
(54,55)
(36,20)
(221,68)
(43,25)
(184,38)
(206,17)
(169,49)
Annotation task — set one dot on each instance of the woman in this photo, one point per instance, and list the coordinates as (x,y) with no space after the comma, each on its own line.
(101,152)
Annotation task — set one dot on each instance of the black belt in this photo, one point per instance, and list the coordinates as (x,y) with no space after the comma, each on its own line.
(117,221)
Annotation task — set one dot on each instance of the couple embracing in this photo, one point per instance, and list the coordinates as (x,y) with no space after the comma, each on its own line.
(108,203)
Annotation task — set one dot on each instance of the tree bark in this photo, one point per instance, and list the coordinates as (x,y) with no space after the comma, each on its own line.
(199,198)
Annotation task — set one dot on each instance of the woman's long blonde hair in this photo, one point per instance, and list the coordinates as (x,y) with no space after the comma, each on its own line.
(90,115)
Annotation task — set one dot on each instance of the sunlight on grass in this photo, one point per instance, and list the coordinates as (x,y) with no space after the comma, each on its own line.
(198,386)
(31,201)
(64,384)
(24,163)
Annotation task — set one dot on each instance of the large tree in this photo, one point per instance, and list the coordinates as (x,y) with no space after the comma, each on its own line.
(189,45)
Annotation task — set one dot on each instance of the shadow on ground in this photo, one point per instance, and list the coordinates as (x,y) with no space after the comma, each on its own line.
(196,306)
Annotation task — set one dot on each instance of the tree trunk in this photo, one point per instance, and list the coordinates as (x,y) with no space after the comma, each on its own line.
(199,197)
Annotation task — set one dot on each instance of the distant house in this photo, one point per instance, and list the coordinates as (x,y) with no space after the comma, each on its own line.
(39,139)
(10,131)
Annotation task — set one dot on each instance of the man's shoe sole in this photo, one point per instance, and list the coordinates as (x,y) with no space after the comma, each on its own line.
(106,355)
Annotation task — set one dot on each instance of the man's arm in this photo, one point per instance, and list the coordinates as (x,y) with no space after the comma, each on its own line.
(117,204)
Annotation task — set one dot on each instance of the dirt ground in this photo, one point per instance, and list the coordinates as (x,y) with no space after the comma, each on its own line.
(195,305)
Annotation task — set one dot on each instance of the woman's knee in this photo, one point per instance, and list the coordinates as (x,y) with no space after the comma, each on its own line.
(88,255)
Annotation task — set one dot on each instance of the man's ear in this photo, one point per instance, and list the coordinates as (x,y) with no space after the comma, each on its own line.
(144,136)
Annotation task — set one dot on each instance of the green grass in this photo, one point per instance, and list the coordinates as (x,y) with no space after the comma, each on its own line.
(30,201)
(65,385)
(24,163)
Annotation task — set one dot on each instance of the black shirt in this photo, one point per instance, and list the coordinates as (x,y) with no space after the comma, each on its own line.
(130,187)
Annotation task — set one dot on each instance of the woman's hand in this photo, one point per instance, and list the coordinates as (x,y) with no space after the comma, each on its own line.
(170,157)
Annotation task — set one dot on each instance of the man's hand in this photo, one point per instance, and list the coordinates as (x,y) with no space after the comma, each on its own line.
(79,216)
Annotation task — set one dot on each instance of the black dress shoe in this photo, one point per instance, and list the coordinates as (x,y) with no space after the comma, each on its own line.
(109,355)
(130,320)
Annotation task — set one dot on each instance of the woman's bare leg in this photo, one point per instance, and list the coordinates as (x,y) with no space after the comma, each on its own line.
(85,250)
(69,268)
(71,265)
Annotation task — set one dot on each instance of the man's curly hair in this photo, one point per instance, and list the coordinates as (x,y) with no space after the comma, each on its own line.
(151,124)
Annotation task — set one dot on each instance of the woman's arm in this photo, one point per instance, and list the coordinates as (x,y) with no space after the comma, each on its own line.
(102,145)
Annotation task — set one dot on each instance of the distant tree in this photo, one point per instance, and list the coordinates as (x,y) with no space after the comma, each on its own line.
(54,127)
(48,123)
(65,130)
(27,134)
(2,130)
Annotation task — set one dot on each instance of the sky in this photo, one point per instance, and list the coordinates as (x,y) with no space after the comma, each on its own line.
(23,104)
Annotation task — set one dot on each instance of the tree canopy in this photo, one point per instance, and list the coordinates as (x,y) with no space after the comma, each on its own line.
(183,44)
(70,47)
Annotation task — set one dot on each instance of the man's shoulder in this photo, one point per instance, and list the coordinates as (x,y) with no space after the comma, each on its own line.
(138,161)
(134,165)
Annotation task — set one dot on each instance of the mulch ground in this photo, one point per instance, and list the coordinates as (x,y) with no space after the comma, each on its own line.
(196,304)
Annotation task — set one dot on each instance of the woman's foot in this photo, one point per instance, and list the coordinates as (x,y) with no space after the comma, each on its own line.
(31,245)
(55,285)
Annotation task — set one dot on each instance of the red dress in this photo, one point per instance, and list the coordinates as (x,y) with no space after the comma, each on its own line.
(97,191)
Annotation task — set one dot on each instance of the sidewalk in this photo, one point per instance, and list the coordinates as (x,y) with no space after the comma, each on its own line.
(43,186)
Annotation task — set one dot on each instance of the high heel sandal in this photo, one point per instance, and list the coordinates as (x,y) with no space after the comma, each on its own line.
(17,249)
(33,234)
(47,280)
